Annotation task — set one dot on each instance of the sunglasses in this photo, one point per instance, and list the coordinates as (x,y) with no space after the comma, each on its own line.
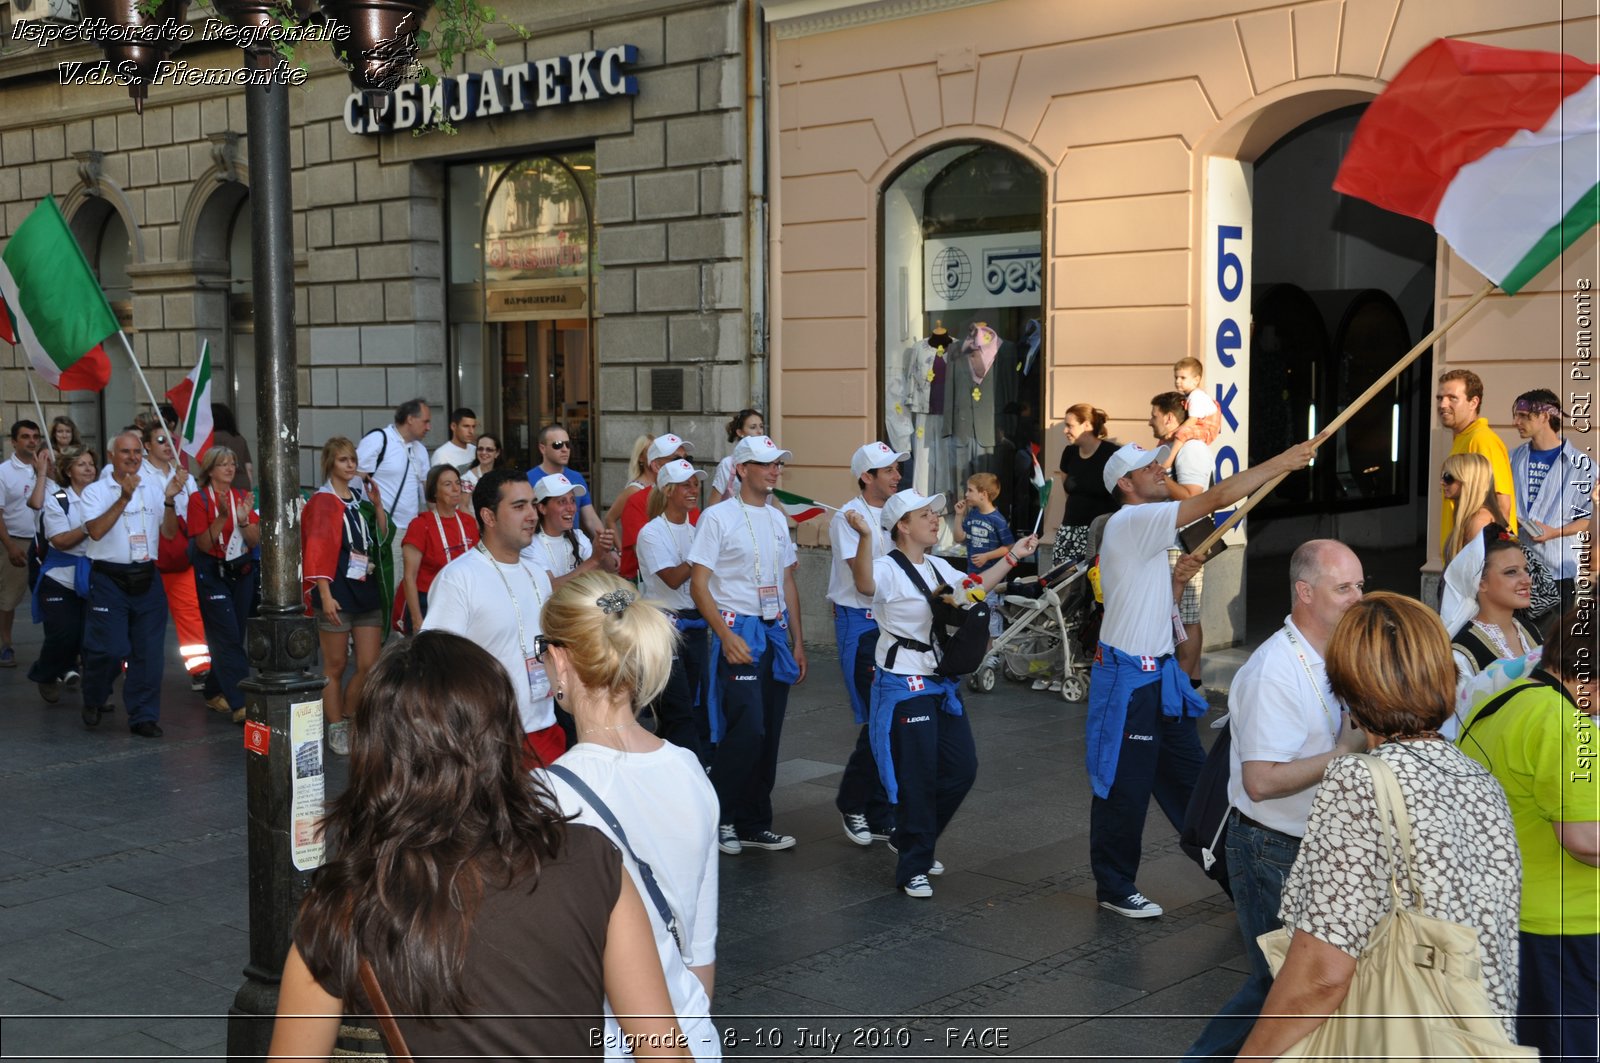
(541,646)
(563,445)
(1447,479)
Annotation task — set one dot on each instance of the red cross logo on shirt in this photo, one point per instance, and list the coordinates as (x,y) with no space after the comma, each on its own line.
(727,617)
(914,682)
(1147,664)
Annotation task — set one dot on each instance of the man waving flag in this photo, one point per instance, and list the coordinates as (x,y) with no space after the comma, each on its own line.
(52,305)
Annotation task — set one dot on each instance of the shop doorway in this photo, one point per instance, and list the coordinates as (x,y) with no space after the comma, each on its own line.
(1340,291)
(544,377)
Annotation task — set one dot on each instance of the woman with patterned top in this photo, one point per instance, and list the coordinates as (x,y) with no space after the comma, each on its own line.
(1389,662)
(431,544)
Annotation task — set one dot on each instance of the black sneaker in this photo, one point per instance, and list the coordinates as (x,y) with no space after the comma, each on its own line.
(1134,906)
(146,729)
(767,840)
(855,827)
(728,840)
(919,886)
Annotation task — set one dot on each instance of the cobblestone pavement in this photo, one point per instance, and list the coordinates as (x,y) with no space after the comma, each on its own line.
(123,923)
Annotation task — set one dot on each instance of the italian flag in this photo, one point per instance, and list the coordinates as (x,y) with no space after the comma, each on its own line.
(192,400)
(799,507)
(1493,147)
(52,305)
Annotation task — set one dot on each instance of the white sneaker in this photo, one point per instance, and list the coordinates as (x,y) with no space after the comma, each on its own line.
(339,737)
(1041,684)
(919,886)
(728,840)
(1135,906)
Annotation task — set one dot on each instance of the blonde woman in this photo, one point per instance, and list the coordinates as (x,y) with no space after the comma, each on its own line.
(1468,481)
(609,653)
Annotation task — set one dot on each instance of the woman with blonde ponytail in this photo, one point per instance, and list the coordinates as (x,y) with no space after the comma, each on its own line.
(609,653)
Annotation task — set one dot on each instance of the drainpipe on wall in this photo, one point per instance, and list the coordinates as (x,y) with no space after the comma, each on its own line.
(755,205)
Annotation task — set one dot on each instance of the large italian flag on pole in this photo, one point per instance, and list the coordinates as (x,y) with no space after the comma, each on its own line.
(1495,148)
(51,303)
(192,399)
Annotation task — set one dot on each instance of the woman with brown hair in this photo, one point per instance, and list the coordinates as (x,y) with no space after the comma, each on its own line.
(430,545)
(493,928)
(1468,481)
(1083,491)
(225,529)
(1389,663)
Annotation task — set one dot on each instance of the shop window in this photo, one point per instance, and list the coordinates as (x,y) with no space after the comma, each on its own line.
(962,322)
(521,287)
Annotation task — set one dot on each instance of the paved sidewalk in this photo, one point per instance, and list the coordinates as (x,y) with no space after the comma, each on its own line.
(122,896)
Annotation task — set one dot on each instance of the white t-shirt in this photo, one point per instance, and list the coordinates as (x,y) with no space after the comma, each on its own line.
(1192,466)
(141,517)
(841,581)
(722,478)
(1135,579)
(900,609)
(740,544)
(17,478)
(455,457)
(553,553)
(57,522)
(405,466)
(180,501)
(1200,404)
(669,811)
(1280,714)
(498,607)
(662,544)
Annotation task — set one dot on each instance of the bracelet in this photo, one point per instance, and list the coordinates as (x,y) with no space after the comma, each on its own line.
(1012,559)
(169,505)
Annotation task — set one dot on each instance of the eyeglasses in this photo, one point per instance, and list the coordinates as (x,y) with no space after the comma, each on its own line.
(562,445)
(541,646)
(1447,479)
(765,464)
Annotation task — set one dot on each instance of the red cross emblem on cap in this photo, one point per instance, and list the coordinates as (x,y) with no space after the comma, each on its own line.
(914,682)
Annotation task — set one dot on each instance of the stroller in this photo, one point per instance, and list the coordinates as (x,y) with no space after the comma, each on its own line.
(1044,618)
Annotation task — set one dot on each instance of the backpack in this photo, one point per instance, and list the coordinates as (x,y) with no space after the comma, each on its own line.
(960,634)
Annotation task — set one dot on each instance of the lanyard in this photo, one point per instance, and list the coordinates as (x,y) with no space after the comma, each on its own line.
(522,639)
(1301,653)
(216,508)
(679,543)
(544,541)
(755,541)
(461,531)
(356,527)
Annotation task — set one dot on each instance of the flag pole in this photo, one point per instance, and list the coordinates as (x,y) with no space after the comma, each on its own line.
(44,427)
(138,372)
(1350,411)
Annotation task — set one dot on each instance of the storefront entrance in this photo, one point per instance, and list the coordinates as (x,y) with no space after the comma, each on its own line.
(544,378)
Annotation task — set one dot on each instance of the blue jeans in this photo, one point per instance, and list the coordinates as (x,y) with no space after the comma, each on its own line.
(1258,863)
(1556,1005)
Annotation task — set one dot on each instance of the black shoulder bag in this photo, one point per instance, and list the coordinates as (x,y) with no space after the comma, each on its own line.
(959,634)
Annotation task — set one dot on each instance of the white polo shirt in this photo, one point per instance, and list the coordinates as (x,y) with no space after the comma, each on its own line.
(58,522)
(553,553)
(745,547)
(17,478)
(841,581)
(180,501)
(405,467)
(141,516)
(498,607)
(448,453)
(901,609)
(1282,709)
(663,544)
(1135,579)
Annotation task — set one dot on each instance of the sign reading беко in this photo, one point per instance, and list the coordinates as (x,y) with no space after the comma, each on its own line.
(555,82)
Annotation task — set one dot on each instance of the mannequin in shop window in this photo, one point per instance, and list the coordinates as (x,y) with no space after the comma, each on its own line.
(980,383)
(920,393)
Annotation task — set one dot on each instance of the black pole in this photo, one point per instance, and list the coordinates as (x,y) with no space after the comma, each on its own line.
(281,641)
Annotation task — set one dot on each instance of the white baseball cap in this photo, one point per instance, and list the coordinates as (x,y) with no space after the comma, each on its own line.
(908,501)
(1130,457)
(676,472)
(666,446)
(871,456)
(553,486)
(759,448)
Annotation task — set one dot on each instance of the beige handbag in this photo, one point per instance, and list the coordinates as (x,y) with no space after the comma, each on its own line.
(1418,991)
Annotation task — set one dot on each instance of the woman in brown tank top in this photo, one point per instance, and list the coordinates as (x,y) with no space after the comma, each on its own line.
(495,929)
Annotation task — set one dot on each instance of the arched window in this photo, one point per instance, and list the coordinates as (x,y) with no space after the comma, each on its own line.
(110,253)
(962,322)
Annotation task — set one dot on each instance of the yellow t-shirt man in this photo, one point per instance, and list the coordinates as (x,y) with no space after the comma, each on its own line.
(1479,438)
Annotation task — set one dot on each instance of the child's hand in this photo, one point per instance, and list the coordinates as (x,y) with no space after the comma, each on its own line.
(961,507)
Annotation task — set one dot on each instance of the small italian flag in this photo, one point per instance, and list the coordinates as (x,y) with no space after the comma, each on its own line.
(799,507)
(52,305)
(1493,147)
(192,400)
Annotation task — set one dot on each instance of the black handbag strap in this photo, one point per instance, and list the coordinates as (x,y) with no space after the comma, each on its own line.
(1539,677)
(649,876)
(916,581)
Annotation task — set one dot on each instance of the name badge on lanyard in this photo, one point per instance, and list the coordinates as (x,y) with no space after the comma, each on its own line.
(138,548)
(359,564)
(770,607)
(538,679)
(1178,633)
(357,569)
